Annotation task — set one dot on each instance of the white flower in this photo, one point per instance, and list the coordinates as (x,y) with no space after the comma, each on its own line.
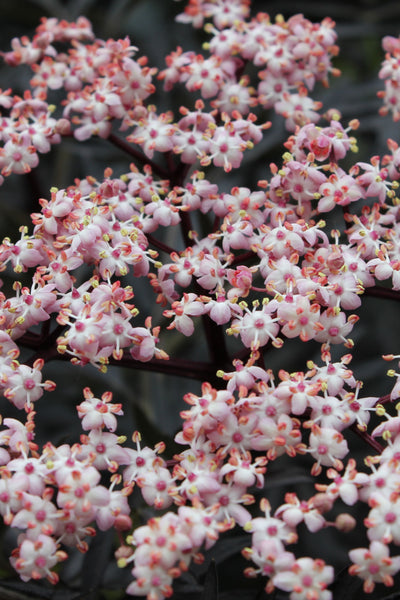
(374,565)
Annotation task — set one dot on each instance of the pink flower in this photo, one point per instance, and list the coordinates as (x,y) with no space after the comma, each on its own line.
(153,133)
(244,375)
(207,75)
(295,511)
(327,446)
(24,385)
(268,265)
(37,515)
(97,413)
(348,484)
(221,310)
(270,557)
(140,462)
(108,515)
(299,317)
(155,486)
(383,521)
(104,450)
(30,472)
(297,109)
(230,499)
(18,156)
(36,557)
(191,305)
(341,189)
(226,148)
(374,565)
(256,327)
(334,327)
(307,578)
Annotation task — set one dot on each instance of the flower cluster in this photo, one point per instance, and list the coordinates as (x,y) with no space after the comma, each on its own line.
(54,495)
(255,268)
(165,547)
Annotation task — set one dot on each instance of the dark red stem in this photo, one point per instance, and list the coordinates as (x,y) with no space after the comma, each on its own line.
(138,155)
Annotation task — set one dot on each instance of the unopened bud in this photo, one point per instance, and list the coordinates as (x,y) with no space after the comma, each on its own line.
(345,522)
(123,523)
(322,502)
(63,127)
(122,554)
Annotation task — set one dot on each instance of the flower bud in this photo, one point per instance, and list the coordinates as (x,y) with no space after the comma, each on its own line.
(63,127)
(322,502)
(123,523)
(345,522)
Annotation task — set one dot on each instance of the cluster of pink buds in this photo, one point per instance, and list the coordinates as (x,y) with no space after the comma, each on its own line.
(164,548)
(389,73)
(254,268)
(54,496)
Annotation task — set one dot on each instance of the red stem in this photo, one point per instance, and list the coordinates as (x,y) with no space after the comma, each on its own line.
(368,439)
(138,155)
(189,369)
(381,292)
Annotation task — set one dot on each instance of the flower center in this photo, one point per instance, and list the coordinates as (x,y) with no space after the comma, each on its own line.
(40,515)
(307,580)
(390,517)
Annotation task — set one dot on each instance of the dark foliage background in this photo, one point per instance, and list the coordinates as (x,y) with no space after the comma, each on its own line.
(151,402)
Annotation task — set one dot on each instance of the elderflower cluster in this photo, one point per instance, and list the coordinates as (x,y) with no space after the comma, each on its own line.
(261,269)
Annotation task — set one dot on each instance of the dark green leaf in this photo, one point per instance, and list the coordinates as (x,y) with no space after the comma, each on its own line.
(96,561)
(210,591)
(19,590)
